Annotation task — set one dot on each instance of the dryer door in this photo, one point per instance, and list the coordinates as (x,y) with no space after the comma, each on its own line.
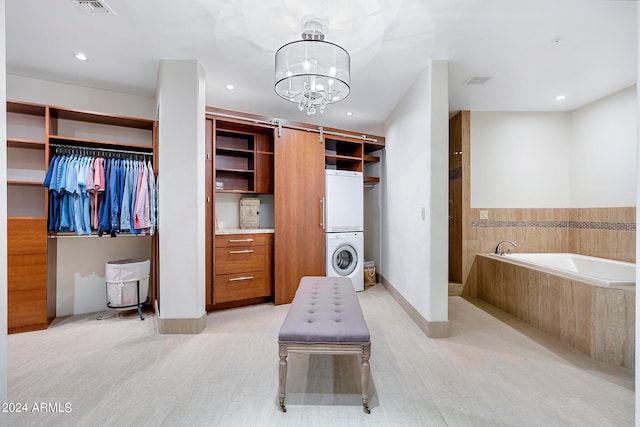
(345,260)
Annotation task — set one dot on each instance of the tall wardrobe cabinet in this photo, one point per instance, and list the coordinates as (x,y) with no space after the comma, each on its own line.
(299,197)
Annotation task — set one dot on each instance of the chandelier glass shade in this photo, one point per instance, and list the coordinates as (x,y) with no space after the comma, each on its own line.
(312,73)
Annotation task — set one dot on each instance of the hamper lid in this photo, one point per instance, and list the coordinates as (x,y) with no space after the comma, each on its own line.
(127,270)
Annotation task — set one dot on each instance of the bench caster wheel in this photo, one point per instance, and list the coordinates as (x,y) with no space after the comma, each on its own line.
(282,407)
(365,407)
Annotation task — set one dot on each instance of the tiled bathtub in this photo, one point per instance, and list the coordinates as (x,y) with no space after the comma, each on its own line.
(597,320)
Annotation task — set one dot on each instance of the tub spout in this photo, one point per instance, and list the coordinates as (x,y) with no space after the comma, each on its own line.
(500,250)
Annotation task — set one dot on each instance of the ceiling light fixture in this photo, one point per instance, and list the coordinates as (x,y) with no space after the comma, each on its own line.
(80,56)
(312,72)
(349,113)
(561,97)
(230,87)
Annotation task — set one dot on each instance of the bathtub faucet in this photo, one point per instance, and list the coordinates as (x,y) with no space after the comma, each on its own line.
(500,251)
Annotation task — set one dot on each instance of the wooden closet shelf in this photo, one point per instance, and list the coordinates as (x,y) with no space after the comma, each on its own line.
(371,179)
(99,118)
(25,143)
(242,171)
(234,151)
(94,143)
(370,159)
(34,183)
(340,157)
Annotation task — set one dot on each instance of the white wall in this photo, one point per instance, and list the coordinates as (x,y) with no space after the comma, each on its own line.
(81,286)
(637,181)
(585,158)
(415,178)
(603,152)
(79,97)
(3,217)
(181,184)
(80,261)
(519,160)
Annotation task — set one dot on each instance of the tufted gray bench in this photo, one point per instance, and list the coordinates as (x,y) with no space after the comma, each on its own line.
(325,318)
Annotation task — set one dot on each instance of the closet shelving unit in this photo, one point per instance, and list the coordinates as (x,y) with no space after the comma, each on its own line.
(33,132)
(352,154)
(99,134)
(29,303)
(343,154)
(243,158)
(371,151)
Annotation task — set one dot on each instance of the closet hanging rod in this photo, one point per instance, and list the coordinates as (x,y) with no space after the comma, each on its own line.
(76,147)
(276,123)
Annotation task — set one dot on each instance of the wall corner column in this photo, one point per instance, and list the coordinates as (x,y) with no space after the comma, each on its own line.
(181,202)
(439,216)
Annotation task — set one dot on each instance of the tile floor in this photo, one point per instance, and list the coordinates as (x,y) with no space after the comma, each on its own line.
(493,370)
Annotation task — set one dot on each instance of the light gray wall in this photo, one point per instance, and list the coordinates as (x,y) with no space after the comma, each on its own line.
(3,216)
(581,159)
(602,162)
(637,181)
(415,180)
(520,160)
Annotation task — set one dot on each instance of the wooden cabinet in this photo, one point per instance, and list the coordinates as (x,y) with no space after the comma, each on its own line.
(243,265)
(298,193)
(243,158)
(258,154)
(31,302)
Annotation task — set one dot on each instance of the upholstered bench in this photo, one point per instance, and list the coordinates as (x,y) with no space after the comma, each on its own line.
(325,318)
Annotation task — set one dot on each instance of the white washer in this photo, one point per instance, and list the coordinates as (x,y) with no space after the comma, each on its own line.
(345,257)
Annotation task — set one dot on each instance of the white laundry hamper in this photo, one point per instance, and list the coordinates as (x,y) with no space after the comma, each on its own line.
(127,283)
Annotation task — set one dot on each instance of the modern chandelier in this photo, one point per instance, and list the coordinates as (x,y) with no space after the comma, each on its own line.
(312,72)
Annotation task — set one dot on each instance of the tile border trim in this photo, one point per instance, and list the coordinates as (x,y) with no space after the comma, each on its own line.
(582,225)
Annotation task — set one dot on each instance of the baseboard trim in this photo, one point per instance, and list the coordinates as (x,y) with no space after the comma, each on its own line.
(182,326)
(430,329)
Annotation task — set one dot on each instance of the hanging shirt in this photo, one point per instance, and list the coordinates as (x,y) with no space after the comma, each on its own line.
(153,209)
(141,218)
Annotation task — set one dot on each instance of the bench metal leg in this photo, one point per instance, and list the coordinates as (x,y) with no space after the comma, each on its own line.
(365,373)
(283,352)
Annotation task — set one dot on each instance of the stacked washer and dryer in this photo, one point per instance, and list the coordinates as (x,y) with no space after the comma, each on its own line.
(344,225)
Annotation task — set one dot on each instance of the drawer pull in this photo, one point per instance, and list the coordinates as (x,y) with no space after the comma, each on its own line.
(240,240)
(238,279)
(245,251)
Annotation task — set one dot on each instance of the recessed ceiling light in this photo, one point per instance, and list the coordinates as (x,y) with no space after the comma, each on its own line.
(349,113)
(230,87)
(561,97)
(80,56)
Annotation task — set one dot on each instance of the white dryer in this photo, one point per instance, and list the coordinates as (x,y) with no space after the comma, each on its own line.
(345,257)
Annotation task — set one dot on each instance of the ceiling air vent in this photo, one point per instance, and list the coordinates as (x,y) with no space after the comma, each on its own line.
(476,80)
(94,6)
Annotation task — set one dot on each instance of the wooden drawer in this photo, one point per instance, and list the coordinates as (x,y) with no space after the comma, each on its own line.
(26,236)
(27,310)
(239,259)
(26,272)
(235,287)
(234,240)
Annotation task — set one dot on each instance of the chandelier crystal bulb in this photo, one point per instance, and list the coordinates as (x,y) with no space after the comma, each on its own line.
(312,72)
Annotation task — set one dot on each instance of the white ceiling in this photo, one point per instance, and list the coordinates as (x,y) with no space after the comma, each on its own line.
(390,41)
